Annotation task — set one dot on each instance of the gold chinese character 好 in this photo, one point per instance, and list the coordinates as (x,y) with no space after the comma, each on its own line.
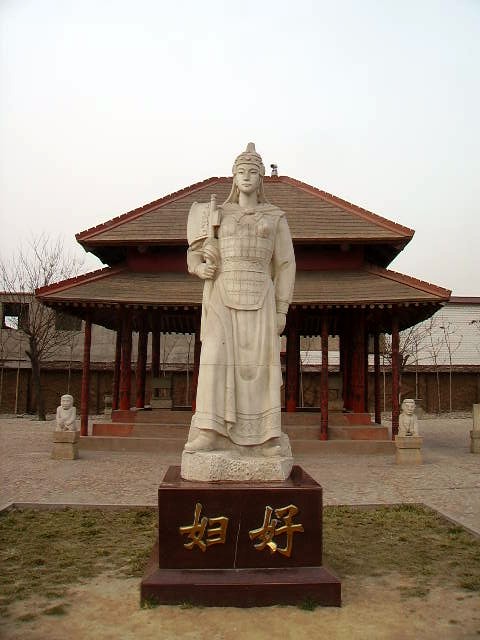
(196,531)
(270,530)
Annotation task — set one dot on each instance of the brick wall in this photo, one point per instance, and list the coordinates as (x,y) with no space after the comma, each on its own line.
(465,389)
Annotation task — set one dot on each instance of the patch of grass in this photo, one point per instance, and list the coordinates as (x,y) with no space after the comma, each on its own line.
(149,603)
(27,617)
(57,610)
(414,592)
(43,552)
(410,540)
(308,605)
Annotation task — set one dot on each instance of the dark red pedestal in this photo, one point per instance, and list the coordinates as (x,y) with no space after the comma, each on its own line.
(239,544)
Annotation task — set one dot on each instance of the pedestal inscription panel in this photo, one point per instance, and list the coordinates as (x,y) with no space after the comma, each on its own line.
(240,535)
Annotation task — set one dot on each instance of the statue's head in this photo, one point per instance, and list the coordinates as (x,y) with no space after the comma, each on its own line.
(248,171)
(408,406)
(66,401)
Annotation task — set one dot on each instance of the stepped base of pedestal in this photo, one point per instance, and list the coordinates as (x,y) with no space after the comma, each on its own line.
(240,587)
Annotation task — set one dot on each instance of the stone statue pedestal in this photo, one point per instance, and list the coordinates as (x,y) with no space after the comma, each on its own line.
(409,449)
(65,445)
(214,466)
(240,544)
(475,441)
(233,464)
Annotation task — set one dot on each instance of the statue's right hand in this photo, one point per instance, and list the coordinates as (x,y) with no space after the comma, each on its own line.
(205,271)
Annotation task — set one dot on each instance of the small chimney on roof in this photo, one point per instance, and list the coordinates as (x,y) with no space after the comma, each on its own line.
(274,169)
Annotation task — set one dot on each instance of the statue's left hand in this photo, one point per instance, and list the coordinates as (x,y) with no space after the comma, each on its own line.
(281,319)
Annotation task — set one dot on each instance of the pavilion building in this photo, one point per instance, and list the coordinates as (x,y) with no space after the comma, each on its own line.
(343,288)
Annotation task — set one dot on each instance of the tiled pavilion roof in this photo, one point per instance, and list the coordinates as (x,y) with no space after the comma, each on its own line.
(119,286)
(314,216)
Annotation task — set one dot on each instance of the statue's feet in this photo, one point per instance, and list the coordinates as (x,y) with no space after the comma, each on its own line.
(203,442)
(271,448)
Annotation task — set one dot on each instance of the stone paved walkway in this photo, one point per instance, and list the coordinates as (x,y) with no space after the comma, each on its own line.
(449,479)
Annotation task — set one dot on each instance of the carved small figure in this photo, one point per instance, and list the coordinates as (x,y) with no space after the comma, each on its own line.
(66,414)
(408,421)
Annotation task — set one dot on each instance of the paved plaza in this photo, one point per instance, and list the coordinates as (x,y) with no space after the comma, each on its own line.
(449,479)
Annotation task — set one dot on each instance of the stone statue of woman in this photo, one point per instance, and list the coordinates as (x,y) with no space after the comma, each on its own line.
(243,250)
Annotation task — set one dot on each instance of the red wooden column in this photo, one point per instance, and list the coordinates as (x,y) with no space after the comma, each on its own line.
(346,363)
(155,353)
(141,369)
(126,360)
(116,370)
(324,381)
(366,368)
(196,364)
(376,374)
(293,362)
(395,375)
(87,343)
(357,379)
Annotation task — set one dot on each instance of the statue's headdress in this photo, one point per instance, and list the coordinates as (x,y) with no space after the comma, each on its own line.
(249,156)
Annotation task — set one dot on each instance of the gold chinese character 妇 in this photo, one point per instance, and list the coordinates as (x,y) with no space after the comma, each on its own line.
(203,533)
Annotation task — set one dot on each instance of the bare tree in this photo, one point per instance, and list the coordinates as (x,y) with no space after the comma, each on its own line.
(476,324)
(411,349)
(452,340)
(4,340)
(42,262)
(434,346)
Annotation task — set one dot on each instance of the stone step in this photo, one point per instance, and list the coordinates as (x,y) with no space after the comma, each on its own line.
(304,418)
(295,432)
(129,430)
(155,416)
(358,432)
(175,446)
(335,418)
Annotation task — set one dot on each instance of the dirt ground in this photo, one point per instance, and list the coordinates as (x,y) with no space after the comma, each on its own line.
(374,608)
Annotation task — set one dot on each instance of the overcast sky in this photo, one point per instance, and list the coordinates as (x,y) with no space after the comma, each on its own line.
(109,104)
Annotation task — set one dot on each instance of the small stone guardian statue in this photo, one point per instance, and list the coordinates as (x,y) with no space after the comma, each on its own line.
(66,414)
(408,421)
(243,251)
(408,441)
(66,435)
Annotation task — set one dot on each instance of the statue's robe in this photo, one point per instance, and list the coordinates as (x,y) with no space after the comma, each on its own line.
(238,392)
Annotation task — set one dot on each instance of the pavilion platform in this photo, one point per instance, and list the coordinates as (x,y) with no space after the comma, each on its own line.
(166,431)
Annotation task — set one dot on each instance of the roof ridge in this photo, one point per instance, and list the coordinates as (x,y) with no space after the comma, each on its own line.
(465,299)
(90,275)
(409,280)
(365,213)
(135,213)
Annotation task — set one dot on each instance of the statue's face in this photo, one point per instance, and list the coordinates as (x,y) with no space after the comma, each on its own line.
(66,403)
(409,407)
(247,178)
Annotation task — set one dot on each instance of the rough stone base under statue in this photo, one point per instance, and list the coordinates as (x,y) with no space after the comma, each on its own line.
(240,544)
(234,463)
(475,441)
(409,449)
(65,445)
